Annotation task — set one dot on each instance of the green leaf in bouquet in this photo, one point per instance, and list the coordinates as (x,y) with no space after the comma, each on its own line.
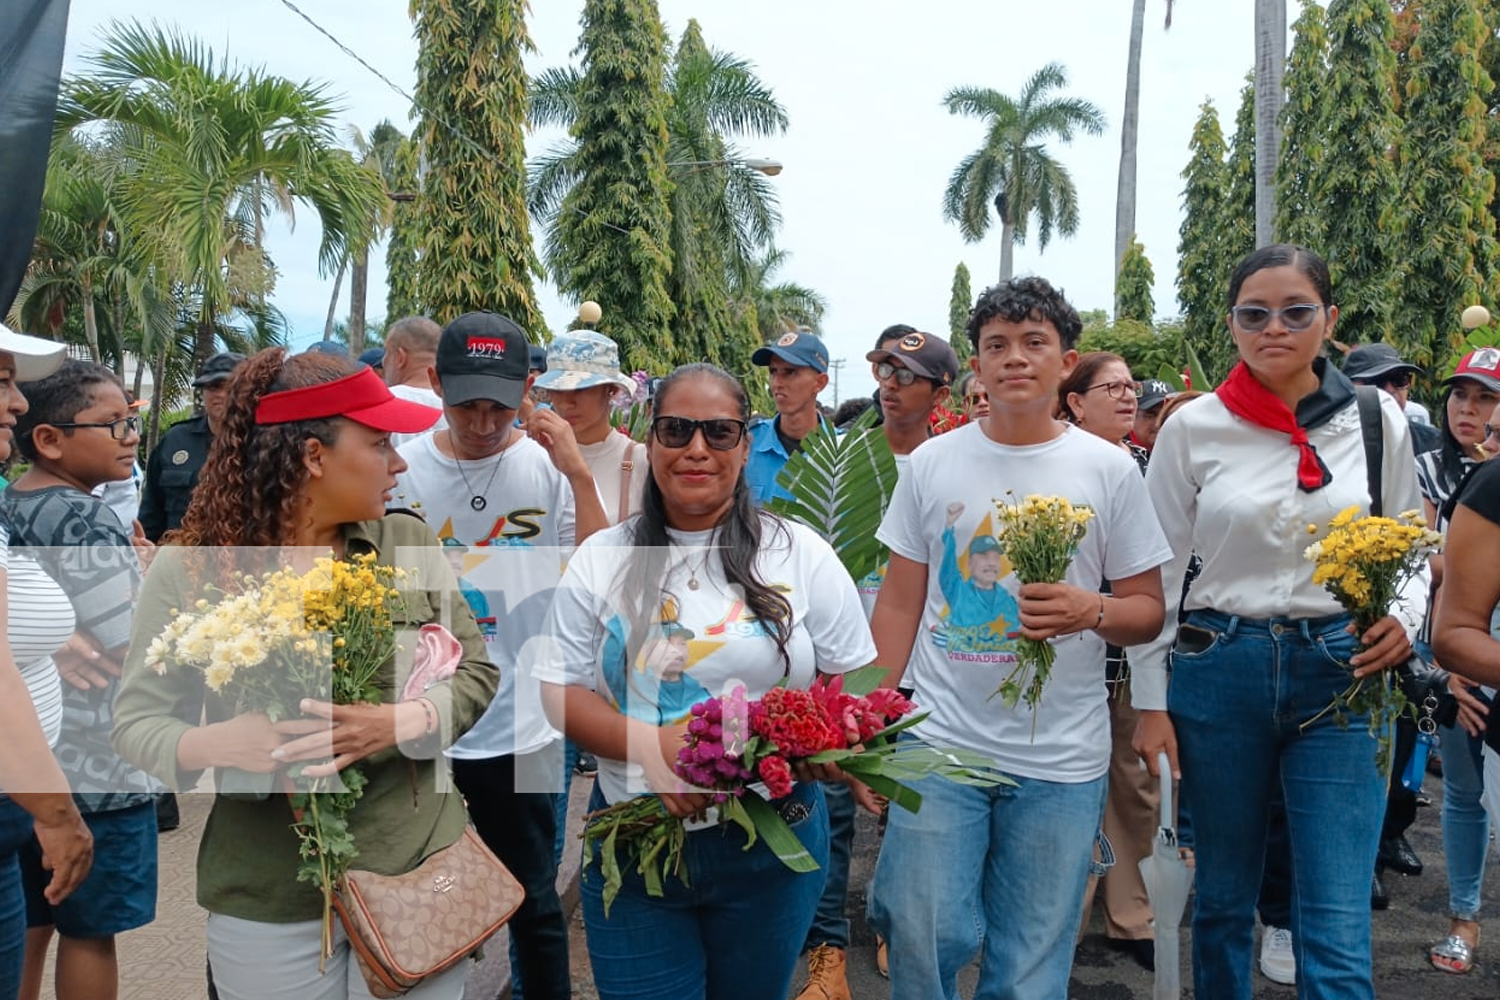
(862,681)
(875,774)
(733,811)
(778,836)
(840,486)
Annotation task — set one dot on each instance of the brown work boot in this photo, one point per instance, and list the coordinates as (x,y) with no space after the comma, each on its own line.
(825,975)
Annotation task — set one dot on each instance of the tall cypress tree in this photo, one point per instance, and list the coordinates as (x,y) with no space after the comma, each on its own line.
(1202,278)
(1133,285)
(476,232)
(959,304)
(612,242)
(1450,257)
(1355,189)
(1298,216)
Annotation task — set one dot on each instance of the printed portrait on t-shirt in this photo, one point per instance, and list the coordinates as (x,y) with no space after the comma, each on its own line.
(464,562)
(675,667)
(981,620)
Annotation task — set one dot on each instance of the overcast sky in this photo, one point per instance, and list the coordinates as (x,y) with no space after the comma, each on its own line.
(870,146)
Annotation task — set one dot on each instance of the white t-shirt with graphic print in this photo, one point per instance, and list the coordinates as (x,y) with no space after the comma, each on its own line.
(516,548)
(705,641)
(965,645)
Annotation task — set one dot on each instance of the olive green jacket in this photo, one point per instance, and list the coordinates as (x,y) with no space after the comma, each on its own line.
(247,860)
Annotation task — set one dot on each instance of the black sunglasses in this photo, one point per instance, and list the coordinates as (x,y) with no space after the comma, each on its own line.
(118,429)
(721,433)
(1399,380)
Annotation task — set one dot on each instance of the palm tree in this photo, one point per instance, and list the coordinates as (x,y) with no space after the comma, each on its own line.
(378,155)
(218,148)
(779,308)
(1012,171)
(1270,96)
(87,274)
(1130,127)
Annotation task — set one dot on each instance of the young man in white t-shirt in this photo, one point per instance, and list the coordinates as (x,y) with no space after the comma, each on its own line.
(1007,866)
(519,500)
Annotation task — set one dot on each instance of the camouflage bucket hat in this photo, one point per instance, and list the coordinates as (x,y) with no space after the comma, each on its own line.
(581,359)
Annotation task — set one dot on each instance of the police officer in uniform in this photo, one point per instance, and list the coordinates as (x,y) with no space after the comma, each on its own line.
(172,469)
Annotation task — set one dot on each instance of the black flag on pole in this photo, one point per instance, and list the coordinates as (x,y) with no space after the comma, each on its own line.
(31,51)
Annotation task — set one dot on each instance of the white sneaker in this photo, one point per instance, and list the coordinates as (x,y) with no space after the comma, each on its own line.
(1278,962)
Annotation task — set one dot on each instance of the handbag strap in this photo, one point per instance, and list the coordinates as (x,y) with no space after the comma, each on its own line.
(1373,432)
(627,467)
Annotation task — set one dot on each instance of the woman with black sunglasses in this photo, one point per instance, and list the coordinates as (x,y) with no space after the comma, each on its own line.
(697,594)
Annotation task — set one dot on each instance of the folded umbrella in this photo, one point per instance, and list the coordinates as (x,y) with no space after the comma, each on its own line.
(1168,880)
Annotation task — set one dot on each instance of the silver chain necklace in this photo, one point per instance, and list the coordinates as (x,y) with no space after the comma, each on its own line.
(477,500)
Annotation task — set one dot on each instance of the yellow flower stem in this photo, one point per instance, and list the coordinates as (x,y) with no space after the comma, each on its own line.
(327,884)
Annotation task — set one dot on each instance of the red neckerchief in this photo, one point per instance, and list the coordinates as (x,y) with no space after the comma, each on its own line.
(1246,398)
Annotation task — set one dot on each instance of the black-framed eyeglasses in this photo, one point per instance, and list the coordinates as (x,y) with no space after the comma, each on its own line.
(1489,430)
(1118,390)
(1396,380)
(118,429)
(720,433)
(1296,318)
(904,376)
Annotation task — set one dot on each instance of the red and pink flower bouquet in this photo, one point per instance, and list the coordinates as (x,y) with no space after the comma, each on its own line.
(734,743)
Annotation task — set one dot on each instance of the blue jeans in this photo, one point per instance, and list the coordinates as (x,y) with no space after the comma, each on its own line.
(15,831)
(734,933)
(1005,867)
(1240,706)
(831,924)
(1466,826)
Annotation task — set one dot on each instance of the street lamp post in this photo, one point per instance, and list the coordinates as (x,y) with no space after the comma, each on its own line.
(768,167)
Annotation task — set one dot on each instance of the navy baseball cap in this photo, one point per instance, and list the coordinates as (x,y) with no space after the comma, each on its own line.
(217,368)
(329,347)
(805,350)
(373,356)
(1154,392)
(537,358)
(483,355)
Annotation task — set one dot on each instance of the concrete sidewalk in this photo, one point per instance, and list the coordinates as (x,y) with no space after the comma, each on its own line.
(166,960)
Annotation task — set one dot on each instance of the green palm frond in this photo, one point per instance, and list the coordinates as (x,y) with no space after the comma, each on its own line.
(841,485)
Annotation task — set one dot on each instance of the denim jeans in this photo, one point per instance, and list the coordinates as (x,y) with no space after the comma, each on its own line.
(15,830)
(734,933)
(1003,867)
(518,827)
(1243,707)
(831,923)
(1466,826)
(1274,904)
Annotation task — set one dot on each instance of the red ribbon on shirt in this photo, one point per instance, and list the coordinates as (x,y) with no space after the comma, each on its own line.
(1244,396)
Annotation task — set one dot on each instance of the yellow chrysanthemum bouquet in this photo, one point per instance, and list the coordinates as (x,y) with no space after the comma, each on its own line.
(1040,536)
(323,635)
(1364,562)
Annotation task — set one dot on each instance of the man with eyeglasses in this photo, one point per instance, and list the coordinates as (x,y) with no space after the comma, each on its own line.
(172,468)
(798,369)
(915,373)
(1379,365)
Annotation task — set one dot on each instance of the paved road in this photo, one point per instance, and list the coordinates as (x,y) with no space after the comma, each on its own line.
(164,961)
(1417,917)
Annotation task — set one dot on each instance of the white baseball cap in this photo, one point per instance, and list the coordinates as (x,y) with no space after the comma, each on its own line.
(35,358)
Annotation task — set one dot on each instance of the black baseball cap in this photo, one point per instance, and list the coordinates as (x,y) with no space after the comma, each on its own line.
(483,355)
(217,368)
(1154,392)
(929,356)
(1368,362)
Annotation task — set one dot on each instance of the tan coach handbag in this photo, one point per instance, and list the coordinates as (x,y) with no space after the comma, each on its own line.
(406,928)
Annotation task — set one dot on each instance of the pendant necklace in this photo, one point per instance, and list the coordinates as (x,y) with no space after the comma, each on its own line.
(693,573)
(477,500)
